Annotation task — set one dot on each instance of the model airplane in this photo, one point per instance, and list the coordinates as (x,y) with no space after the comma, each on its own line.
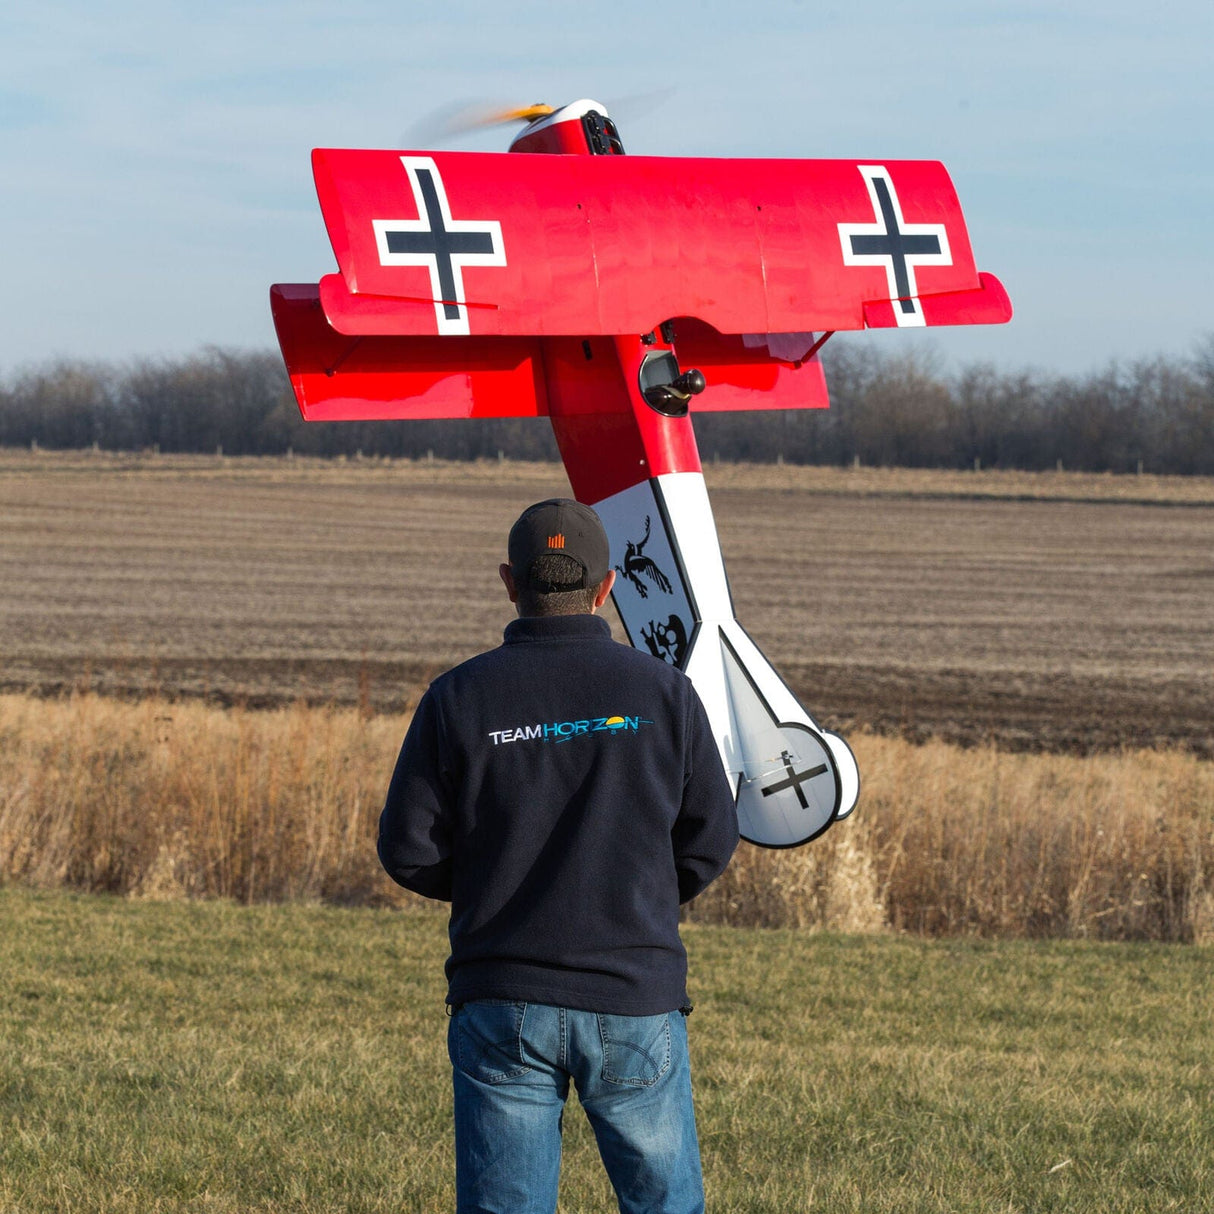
(614,295)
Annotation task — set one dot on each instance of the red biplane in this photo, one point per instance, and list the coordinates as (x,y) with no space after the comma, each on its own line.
(616,295)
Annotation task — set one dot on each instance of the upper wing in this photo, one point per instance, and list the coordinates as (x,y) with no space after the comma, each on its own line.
(495,244)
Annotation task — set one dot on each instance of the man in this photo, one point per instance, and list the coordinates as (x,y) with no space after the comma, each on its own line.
(565,794)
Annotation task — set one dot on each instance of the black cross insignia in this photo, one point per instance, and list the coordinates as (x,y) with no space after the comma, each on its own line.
(442,244)
(893,243)
(794,779)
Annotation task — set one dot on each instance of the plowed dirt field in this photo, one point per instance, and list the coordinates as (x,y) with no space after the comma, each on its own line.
(1040,612)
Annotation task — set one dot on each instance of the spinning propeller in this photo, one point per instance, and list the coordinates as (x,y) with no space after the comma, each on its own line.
(451,121)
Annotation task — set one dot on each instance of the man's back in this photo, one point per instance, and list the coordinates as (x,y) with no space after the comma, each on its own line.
(566,794)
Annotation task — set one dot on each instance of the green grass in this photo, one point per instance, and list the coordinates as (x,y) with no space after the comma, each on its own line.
(209,1057)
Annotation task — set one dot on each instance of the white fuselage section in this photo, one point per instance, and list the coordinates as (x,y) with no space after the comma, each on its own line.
(792,778)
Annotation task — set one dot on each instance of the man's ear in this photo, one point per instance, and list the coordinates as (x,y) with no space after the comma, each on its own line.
(507,576)
(604,589)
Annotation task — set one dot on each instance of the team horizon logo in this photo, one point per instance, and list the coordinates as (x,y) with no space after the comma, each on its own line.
(564,731)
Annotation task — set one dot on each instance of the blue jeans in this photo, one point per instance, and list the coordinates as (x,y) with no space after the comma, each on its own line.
(512,1063)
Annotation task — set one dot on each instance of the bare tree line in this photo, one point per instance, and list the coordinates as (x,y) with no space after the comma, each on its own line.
(1156,415)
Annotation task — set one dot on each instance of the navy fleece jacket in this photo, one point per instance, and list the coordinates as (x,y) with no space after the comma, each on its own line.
(565,794)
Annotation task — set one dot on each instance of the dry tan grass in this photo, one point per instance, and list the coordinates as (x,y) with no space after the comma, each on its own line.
(180,800)
(171,800)
(957,842)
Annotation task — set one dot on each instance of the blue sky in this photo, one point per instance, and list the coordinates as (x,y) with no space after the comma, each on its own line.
(156,154)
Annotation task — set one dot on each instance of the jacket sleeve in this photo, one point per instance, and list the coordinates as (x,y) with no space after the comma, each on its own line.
(415,826)
(705,833)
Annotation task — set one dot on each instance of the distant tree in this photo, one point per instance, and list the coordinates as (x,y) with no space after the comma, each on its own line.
(214,399)
(65,404)
(885,409)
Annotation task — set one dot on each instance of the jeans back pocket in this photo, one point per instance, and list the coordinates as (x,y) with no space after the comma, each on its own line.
(488,1040)
(636,1049)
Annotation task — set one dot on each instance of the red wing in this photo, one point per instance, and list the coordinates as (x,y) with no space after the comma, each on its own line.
(340,378)
(514,244)
(752,371)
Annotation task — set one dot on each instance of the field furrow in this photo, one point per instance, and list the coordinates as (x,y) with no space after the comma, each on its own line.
(1046,612)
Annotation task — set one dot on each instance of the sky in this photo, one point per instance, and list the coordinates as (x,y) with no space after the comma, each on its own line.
(157,176)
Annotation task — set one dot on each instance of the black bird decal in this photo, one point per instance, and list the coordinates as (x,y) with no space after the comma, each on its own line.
(635,564)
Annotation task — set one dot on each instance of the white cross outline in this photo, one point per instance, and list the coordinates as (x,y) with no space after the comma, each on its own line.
(914,318)
(447,326)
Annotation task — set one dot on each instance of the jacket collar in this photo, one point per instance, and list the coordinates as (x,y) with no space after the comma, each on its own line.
(557,628)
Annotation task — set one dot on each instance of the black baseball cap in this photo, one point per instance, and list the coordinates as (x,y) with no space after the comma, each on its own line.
(559,527)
